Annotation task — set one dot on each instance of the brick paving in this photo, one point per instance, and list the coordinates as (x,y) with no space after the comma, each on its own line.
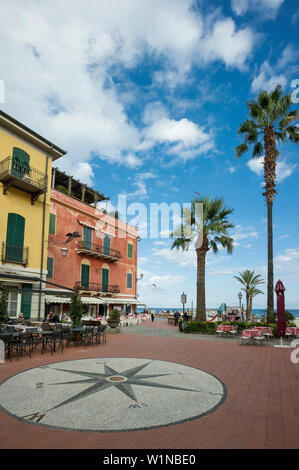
(261,410)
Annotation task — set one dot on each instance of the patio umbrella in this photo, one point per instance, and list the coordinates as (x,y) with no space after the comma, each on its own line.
(281,324)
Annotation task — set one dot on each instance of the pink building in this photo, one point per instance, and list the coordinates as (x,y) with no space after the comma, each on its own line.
(101,262)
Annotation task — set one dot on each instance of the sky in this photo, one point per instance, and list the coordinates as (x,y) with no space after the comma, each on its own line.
(146,97)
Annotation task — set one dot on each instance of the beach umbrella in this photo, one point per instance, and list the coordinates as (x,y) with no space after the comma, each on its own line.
(281,324)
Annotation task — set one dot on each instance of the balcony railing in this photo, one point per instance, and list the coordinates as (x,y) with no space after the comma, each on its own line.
(14,254)
(97,287)
(26,178)
(100,251)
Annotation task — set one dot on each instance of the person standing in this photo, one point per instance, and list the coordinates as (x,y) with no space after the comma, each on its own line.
(176,317)
(153,315)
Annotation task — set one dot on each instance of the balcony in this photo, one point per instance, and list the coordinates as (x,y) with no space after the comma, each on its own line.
(14,254)
(96,287)
(99,251)
(28,179)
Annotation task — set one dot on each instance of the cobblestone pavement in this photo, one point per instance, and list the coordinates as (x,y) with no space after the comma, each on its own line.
(260,410)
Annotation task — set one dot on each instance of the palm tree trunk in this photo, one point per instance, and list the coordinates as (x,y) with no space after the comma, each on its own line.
(270,191)
(250,307)
(270,283)
(201,285)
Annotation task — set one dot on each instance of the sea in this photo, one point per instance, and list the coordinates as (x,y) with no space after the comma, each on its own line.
(258,312)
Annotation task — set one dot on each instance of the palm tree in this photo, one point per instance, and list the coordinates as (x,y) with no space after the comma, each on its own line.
(253,291)
(212,233)
(270,123)
(249,280)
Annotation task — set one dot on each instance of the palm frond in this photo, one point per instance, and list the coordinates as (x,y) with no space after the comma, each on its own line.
(241,149)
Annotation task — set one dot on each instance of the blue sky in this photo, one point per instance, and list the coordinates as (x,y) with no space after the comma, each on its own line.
(146,97)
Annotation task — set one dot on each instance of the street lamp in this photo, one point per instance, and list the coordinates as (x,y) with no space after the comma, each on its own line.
(240,300)
(64,251)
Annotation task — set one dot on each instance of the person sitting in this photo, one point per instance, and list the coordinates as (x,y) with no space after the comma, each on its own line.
(55,318)
(6,319)
(46,318)
(21,319)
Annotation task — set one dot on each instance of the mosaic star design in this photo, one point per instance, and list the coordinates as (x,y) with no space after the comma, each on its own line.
(111,378)
(111,394)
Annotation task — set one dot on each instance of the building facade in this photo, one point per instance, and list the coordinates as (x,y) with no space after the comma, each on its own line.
(101,261)
(25,182)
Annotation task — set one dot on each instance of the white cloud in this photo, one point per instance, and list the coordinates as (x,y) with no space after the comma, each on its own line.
(270,76)
(224,42)
(84,172)
(59,61)
(182,138)
(268,8)
(232,169)
(283,169)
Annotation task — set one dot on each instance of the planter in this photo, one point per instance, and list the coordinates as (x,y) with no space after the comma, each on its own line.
(113,323)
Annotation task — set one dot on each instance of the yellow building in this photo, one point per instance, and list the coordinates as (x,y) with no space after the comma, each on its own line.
(25,182)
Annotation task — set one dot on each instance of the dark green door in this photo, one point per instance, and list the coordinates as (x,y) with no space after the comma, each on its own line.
(106,246)
(105,280)
(87,237)
(85,275)
(26,300)
(15,238)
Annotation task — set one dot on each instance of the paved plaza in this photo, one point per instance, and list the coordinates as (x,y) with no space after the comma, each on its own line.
(151,387)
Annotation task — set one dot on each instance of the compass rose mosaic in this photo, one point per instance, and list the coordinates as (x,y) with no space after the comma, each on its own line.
(111,394)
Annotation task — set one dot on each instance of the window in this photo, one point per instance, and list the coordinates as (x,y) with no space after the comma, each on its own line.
(129,281)
(20,163)
(52,225)
(50,262)
(15,238)
(12,307)
(130,250)
(85,269)
(106,245)
(87,234)
(105,280)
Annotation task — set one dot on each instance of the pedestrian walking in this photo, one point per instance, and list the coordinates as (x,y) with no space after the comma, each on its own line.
(153,316)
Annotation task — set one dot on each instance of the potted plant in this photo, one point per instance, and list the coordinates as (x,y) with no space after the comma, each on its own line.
(114,318)
(75,313)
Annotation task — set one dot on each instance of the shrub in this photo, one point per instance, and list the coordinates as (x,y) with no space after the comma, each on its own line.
(201,327)
(114,315)
(76,309)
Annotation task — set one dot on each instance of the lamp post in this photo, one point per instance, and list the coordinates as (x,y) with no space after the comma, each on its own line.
(240,300)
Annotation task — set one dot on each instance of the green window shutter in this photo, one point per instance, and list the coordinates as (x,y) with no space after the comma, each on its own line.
(106,246)
(52,224)
(50,262)
(26,300)
(129,281)
(85,275)
(130,250)
(15,237)
(20,162)
(105,280)
(87,235)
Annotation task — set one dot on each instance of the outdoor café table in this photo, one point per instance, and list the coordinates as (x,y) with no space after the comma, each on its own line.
(293,330)
(77,330)
(5,335)
(227,328)
(44,335)
(249,333)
